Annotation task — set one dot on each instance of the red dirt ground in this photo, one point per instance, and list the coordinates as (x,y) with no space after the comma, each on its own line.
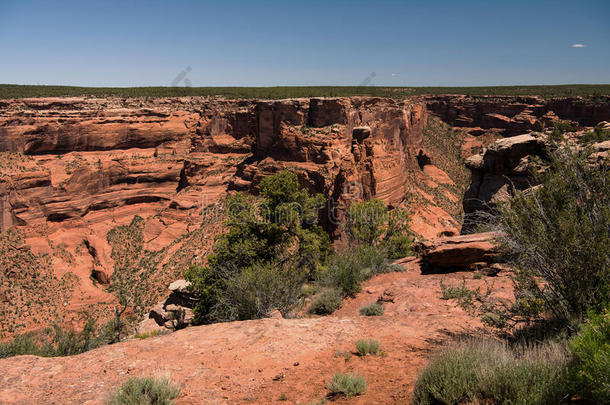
(258,361)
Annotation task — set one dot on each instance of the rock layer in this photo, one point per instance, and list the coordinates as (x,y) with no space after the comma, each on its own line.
(75,168)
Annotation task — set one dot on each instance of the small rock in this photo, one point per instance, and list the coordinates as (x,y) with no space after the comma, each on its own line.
(275,314)
(180,286)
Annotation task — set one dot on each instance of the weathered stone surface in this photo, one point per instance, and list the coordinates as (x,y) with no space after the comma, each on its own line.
(457,252)
(497,172)
(511,115)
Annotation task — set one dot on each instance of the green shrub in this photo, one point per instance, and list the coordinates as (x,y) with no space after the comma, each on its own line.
(374,309)
(348,385)
(365,347)
(597,135)
(565,126)
(257,290)
(476,371)
(366,221)
(145,391)
(56,341)
(309,289)
(326,303)
(370,223)
(348,269)
(25,343)
(591,350)
(557,239)
(280,226)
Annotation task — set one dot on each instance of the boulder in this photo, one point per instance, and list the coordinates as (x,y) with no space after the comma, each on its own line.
(180,287)
(176,312)
(100,276)
(498,172)
(457,252)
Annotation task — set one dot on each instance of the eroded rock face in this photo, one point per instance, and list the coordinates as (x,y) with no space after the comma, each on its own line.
(73,169)
(511,115)
(497,172)
(458,252)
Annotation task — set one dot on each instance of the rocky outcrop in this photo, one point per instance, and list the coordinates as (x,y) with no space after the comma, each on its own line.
(73,169)
(497,172)
(176,311)
(511,115)
(458,252)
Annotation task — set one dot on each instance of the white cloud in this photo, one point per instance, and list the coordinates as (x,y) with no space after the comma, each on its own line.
(578,45)
(394,74)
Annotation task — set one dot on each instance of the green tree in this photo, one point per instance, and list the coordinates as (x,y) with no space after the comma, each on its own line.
(371,223)
(280,227)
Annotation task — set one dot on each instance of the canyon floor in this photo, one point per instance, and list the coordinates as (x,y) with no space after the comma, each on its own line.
(261,361)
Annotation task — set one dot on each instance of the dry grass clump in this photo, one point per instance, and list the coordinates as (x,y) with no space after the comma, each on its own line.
(489,371)
(348,385)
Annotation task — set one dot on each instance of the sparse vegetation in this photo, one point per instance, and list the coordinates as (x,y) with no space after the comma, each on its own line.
(597,135)
(557,238)
(150,334)
(591,350)
(279,234)
(134,268)
(348,385)
(568,90)
(57,341)
(365,347)
(28,285)
(326,303)
(145,391)
(374,309)
(476,371)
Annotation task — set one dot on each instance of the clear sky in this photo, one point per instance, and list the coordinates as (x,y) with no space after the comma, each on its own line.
(277,43)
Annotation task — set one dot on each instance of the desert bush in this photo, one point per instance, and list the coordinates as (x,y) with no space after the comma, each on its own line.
(348,385)
(348,269)
(374,309)
(56,341)
(280,227)
(557,238)
(25,343)
(257,290)
(326,303)
(309,289)
(365,347)
(597,135)
(591,351)
(145,391)
(565,126)
(475,371)
(371,223)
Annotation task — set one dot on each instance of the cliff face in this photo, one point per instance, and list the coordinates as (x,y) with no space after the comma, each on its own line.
(510,115)
(75,169)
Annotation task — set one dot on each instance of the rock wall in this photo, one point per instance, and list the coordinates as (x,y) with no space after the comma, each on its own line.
(72,169)
(512,115)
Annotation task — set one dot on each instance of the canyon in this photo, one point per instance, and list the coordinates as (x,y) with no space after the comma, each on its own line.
(76,170)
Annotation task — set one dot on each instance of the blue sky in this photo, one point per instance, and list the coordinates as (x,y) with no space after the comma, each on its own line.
(277,43)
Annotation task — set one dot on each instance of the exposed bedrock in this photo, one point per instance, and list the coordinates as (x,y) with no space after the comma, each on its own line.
(72,169)
(511,115)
